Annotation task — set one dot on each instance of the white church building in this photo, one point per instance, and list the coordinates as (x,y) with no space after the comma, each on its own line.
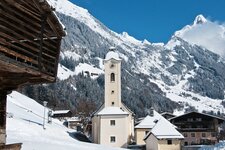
(113,122)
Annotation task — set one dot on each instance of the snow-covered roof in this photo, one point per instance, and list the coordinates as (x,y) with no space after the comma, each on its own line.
(164,130)
(74,119)
(149,121)
(112,111)
(112,55)
(61,111)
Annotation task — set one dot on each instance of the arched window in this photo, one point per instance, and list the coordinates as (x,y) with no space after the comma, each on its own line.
(112,78)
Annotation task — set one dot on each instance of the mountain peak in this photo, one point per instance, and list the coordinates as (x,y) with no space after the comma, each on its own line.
(200,19)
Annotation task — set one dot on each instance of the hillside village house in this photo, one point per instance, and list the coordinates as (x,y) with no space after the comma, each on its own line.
(198,128)
(113,122)
(73,122)
(163,136)
(62,114)
(145,126)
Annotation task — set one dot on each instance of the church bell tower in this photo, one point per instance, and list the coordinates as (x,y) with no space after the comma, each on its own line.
(112,64)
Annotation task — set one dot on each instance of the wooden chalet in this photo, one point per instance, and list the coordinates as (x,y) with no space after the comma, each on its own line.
(198,128)
(62,114)
(30,37)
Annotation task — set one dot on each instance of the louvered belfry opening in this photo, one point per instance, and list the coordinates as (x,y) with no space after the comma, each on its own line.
(30,37)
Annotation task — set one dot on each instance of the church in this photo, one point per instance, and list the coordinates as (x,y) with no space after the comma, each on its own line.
(113,122)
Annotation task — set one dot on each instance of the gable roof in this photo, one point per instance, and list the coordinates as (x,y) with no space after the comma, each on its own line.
(198,113)
(112,111)
(149,121)
(164,130)
(101,107)
(61,111)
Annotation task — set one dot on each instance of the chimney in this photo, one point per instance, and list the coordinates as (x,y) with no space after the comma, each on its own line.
(151,112)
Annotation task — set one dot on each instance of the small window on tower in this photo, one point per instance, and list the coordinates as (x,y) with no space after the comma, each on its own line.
(112,77)
(112,122)
(113,103)
(112,92)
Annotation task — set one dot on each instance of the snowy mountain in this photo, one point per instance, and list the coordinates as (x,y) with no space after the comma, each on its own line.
(24,124)
(205,33)
(184,74)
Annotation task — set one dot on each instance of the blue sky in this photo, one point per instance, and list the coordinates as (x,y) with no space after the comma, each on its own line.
(154,20)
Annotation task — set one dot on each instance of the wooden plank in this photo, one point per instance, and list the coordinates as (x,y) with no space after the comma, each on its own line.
(13,38)
(57,60)
(28,27)
(22,37)
(13,53)
(23,9)
(46,62)
(24,19)
(17,68)
(3,96)
(27,52)
(51,24)
(30,6)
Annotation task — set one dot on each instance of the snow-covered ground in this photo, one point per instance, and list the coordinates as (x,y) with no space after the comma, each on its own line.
(25,124)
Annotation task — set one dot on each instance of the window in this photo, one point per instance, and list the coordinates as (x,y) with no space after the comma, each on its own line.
(190,119)
(112,92)
(112,122)
(185,135)
(146,132)
(199,119)
(113,103)
(192,134)
(203,135)
(112,139)
(112,77)
(169,142)
(185,143)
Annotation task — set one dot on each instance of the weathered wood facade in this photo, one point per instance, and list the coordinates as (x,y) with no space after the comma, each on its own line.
(198,128)
(30,37)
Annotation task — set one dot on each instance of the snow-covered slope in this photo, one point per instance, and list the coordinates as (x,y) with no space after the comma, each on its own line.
(24,124)
(206,33)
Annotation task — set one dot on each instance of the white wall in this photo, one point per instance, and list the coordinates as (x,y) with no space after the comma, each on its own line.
(120,130)
(152,143)
(139,135)
(112,86)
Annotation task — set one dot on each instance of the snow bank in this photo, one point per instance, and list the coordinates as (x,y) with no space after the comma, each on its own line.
(25,125)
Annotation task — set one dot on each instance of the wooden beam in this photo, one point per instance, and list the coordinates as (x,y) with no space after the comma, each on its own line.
(15,54)
(24,20)
(15,68)
(29,38)
(24,9)
(3,96)
(46,11)
(26,52)
(27,24)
